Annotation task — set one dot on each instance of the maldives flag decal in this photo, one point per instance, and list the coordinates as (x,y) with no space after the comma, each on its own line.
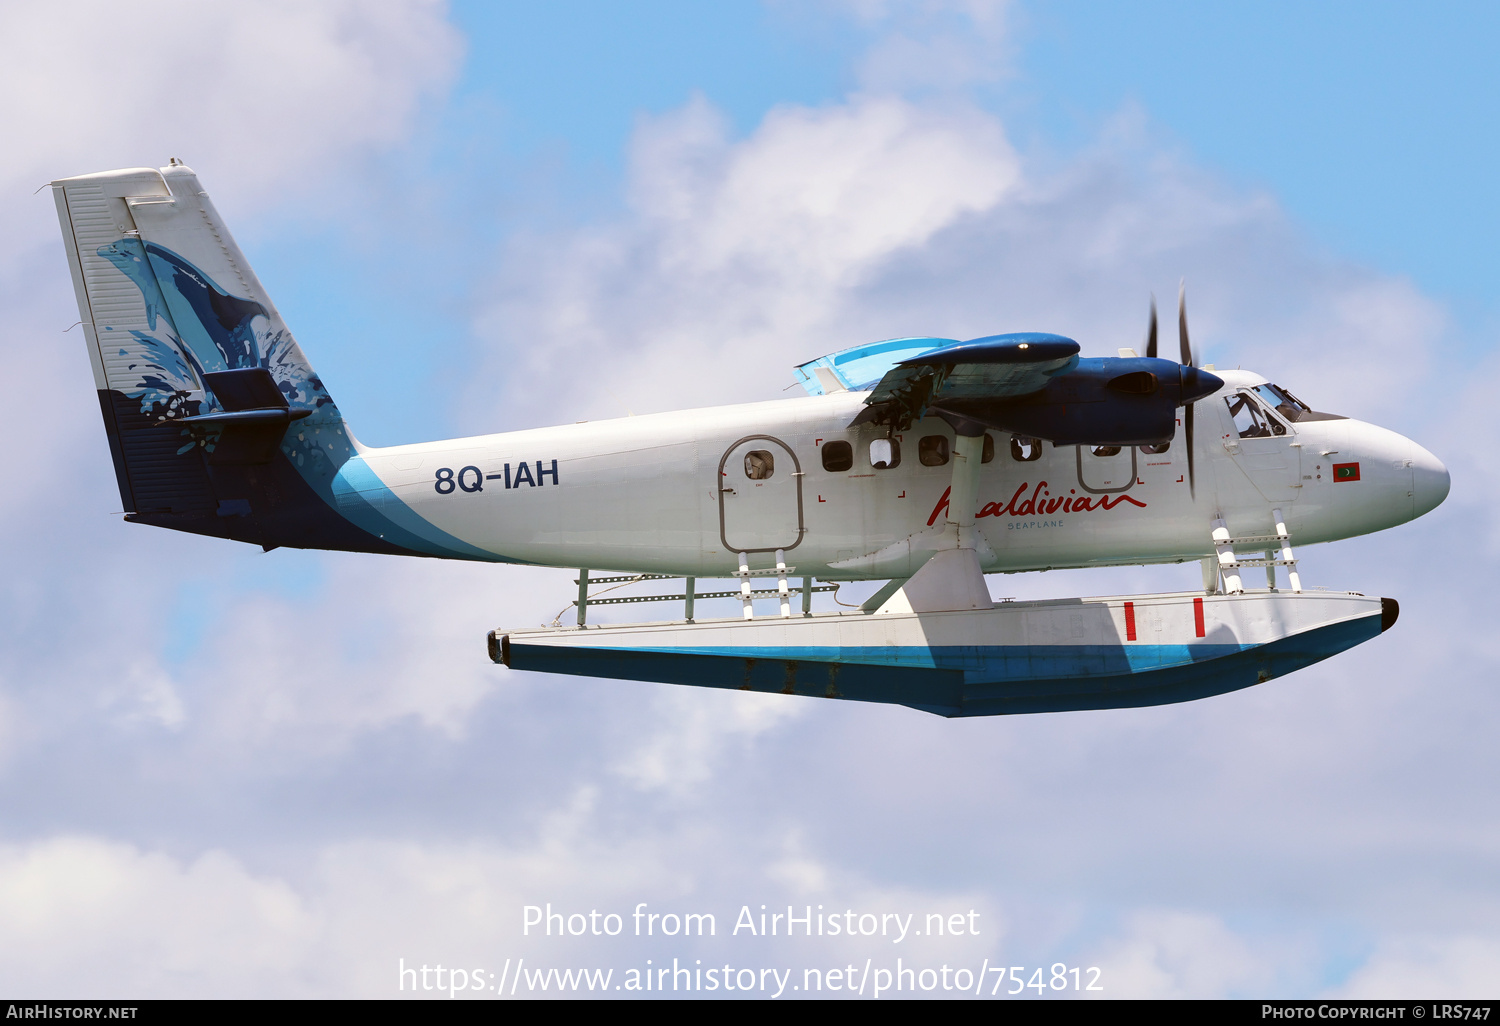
(1346,471)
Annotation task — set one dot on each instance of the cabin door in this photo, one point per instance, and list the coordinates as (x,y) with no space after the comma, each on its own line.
(760,496)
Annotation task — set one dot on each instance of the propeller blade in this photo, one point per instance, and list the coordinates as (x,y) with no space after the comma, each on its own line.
(1187,430)
(1151,334)
(1182,332)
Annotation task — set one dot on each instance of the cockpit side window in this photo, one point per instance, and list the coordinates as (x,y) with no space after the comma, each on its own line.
(1250,420)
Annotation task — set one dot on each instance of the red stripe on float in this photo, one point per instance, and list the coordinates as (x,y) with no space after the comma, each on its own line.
(1198,615)
(1130,621)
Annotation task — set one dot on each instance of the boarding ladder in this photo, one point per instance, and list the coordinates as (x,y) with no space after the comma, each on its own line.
(1221,571)
(745,592)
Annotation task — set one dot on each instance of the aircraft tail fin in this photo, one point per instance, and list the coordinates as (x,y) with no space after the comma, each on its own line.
(217,423)
(199,380)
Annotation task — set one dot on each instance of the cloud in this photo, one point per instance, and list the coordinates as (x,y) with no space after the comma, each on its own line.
(1181,955)
(332,665)
(1414,968)
(883,216)
(260,94)
(680,751)
(751,245)
(89,917)
(935,45)
(147,693)
(277,773)
(888,174)
(1475,466)
(82,916)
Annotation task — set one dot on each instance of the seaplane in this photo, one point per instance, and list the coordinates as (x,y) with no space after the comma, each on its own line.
(923,463)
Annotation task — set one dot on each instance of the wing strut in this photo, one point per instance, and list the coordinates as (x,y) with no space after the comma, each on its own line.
(951,579)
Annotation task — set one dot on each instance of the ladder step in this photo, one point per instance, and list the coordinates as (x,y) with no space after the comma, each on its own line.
(1227,563)
(756,593)
(790,571)
(631,577)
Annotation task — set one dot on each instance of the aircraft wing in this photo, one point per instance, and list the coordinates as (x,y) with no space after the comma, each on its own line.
(996,367)
(858,368)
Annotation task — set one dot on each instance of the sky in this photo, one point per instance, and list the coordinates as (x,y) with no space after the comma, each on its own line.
(230,773)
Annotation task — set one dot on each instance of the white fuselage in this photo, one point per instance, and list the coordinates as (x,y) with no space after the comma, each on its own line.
(671,493)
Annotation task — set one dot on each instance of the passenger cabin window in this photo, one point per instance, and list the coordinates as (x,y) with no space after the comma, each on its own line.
(885,453)
(1105,450)
(933,451)
(837,456)
(1156,450)
(1024,450)
(1250,421)
(989,449)
(759,464)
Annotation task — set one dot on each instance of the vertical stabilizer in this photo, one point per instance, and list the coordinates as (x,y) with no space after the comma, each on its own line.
(216,421)
(167,296)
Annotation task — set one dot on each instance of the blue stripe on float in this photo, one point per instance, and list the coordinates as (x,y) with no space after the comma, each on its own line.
(980,663)
(1100,677)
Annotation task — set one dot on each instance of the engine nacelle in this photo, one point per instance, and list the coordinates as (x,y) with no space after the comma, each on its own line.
(1101,401)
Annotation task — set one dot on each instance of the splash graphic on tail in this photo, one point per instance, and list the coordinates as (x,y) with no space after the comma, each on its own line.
(195,327)
(217,422)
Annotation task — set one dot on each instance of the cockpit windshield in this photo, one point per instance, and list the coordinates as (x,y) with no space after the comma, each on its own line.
(1288,405)
(1282,401)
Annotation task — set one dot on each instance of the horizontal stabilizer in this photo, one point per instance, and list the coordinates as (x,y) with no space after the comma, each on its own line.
(249,388)
(255,417)
(282,417)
